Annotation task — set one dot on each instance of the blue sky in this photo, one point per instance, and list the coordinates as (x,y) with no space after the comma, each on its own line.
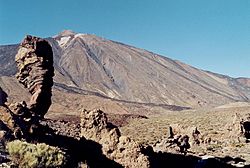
(209,34)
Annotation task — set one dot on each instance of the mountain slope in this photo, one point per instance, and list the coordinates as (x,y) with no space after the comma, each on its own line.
(97,66)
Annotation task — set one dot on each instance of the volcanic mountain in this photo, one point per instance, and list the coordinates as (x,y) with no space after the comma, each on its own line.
(98,73)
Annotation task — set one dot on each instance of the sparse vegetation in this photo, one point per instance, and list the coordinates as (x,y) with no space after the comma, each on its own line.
(40,155)
(212,123)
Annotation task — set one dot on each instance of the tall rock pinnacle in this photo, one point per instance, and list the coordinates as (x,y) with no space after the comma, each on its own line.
(35,71)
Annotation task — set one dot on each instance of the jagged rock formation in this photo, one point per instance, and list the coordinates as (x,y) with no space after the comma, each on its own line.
(35,71)
(11,125)
(179,139)
(238,130)
(35,64)
(94,126)
(240,127)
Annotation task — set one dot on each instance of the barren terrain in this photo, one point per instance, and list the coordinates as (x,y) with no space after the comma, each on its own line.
(214,123)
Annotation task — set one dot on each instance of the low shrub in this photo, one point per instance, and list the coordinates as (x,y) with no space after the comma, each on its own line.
(35,155)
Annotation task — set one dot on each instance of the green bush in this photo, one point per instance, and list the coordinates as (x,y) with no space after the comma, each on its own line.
(35,155)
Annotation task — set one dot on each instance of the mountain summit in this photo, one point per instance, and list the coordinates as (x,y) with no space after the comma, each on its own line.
(66,33)
(90,65)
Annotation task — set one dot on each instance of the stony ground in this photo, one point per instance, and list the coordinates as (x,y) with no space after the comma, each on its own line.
(212,123)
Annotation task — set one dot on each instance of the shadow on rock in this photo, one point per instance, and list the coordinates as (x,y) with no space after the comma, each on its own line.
(81,151)
(3,97)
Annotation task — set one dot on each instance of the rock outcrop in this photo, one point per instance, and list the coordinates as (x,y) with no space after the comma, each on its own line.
(35,64)
(238,131)
(35,71)
(242,126)
(95,127)
(179,139)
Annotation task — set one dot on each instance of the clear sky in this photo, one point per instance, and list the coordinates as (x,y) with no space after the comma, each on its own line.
(209,34)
